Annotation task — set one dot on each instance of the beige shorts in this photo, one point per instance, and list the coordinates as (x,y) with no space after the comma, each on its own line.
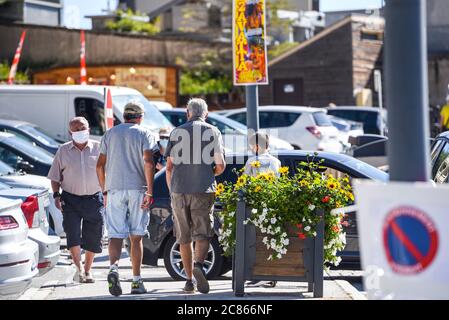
(193,216)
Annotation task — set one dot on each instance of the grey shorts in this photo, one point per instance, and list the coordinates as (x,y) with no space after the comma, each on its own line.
(193,216)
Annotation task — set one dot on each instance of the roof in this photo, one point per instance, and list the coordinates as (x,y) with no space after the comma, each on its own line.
(299,109)
(13,123)
(115,90)
(350,19)
(443,135)
(357,108)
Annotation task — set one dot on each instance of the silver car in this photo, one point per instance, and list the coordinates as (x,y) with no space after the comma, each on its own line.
(35,206)
(18,254)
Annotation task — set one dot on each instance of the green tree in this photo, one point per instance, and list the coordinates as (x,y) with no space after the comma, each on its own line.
(129,22)
(21,77)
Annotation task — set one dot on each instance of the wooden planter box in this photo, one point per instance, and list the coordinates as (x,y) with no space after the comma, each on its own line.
(302,263)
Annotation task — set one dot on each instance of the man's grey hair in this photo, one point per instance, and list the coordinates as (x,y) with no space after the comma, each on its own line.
(197,107)
(78,120)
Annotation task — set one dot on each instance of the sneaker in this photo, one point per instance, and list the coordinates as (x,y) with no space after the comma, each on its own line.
(114,283)
(78,276)
(88,277)
(200,276)
(189,287)
(137,287)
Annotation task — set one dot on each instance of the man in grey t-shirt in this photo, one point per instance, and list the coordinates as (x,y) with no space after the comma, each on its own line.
(125,170)
(194,157)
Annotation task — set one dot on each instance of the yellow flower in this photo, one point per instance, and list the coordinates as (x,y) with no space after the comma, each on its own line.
(255,164)
(241,181)
(350,195)
(257,188)
(283,170)
(303,183)
(333,184)
(220,189)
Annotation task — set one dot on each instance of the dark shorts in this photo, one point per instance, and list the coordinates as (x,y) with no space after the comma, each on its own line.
(83,220)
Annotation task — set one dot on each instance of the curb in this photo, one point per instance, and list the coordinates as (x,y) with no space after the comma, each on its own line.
(350,290)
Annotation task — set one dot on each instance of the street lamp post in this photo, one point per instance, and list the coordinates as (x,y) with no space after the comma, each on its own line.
(407,90)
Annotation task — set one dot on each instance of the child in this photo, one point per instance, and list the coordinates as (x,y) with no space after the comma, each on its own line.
(263,161)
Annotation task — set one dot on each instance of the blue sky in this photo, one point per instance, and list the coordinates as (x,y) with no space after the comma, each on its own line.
(75,10)
(337,5)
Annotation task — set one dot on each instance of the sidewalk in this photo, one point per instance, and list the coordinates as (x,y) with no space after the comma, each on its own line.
(160,286)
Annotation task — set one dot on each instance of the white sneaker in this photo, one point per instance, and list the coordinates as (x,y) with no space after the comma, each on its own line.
(88,277)
(78,276)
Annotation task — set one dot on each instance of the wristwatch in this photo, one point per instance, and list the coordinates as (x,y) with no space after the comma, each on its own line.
(56,194)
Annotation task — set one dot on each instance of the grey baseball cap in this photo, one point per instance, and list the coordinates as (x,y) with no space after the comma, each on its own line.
(134,108)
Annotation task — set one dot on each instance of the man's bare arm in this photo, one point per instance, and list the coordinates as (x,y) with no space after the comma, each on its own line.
(220,163)
(149,170)
(101,164)
(168,172)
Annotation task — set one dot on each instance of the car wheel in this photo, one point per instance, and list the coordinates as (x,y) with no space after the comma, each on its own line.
(173,263)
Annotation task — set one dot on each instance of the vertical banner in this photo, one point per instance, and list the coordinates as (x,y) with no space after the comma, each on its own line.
(108,111)
(249,42)
(15,62)
(83,71)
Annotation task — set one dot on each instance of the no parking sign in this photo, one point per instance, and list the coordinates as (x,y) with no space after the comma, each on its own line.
(404,239)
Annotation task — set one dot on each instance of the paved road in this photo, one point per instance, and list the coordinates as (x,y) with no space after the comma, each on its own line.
(58,284)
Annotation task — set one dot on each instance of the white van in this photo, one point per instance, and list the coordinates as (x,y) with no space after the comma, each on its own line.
(52,106)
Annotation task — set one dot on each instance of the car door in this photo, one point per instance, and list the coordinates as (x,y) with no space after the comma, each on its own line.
(440,169)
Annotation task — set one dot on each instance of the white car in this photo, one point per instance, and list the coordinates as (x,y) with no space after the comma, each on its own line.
(304,127)
(234,134)
(18,254)
(346,128)
(20,180)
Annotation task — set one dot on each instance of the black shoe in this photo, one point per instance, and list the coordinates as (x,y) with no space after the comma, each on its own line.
(200,276)
(114,283)
(189,287)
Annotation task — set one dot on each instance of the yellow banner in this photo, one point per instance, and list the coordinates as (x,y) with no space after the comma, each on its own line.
(249,45)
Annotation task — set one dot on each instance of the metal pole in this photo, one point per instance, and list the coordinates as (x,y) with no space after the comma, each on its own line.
(407,90)
(378,86)
(252,104)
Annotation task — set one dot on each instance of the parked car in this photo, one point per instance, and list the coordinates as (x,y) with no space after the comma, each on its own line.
(22,155)
(17,179)
(35,205)
(304,127)
(371,117)
(161,243)
(161,105)
(18,254)
(234,133)
(31,133)
(439,157)
(346,129)
(52,106)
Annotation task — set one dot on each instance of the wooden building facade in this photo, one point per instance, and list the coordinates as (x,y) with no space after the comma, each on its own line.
(335,66)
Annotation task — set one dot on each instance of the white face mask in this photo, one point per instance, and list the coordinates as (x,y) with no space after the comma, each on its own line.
(164,143)
(80,136)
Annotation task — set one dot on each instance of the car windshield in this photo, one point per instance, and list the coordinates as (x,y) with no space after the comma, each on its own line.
(5,169)
(153,118)
(340,125)
(30,150)
(226,126)
(40,135)
(321,119)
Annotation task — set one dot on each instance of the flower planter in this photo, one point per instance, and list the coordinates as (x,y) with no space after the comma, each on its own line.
(302,263)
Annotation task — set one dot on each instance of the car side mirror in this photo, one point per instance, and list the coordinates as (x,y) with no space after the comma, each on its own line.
(24,165)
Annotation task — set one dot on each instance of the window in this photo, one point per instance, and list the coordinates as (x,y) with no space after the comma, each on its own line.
(321,119)
(440,171)
(277,119)
(370,119)
(18,134)
(436,148)
(239,117)
(40,135)
(93,111)
(9,157)
(222,127)
(176,119)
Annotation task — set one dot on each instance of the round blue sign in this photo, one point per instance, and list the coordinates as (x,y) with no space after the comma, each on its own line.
(410,240)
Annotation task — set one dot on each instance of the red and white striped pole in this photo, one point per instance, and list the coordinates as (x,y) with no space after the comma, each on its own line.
(83,71)
(15,62)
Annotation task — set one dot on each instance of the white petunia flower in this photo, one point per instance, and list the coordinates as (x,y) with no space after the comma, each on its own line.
(263,230)
(279,256)
(277,230)
(265,240)
(314,233)
(286,242)
(231,214)
(311,207)
(273,220)
(307,228)
(254,211)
